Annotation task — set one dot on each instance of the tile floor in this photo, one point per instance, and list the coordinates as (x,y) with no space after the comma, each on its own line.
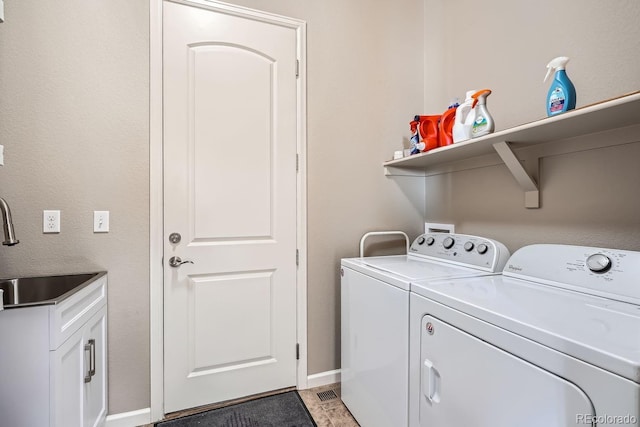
(323,403)
(327,411)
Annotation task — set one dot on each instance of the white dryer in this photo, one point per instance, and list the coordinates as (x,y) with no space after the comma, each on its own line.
(375,318)
(553,342)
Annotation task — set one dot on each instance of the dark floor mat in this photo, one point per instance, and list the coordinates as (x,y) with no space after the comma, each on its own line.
(281,410)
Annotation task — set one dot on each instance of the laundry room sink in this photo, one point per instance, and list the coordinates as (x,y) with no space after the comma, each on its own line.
(44,290)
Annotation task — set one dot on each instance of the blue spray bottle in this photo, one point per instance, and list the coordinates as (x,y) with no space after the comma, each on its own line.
(562,93)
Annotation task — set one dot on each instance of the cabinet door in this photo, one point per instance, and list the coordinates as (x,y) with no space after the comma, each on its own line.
(79,376)
(95,389)
(67,378)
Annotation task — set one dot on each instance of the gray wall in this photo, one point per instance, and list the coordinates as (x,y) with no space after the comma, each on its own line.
(74,121)
(74,112)
(588,198)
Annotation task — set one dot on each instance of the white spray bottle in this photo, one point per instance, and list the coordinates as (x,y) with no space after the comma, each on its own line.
(462,129)
(482,121)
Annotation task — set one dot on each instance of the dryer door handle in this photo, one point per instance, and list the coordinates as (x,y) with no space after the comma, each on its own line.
(430,382)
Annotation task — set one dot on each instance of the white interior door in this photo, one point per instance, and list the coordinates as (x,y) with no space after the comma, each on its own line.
(229,98)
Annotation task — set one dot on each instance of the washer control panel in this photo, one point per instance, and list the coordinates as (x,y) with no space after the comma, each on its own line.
(473,251)
(604,272)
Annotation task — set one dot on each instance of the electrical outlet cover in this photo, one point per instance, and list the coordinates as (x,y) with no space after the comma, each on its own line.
(51,221)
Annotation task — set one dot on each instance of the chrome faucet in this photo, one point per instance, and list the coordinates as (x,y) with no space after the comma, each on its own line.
(9,234)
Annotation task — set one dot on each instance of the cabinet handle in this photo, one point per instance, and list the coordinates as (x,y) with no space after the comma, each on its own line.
(92,364)
(91,348)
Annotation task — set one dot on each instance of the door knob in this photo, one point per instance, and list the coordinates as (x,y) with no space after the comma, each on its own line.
(176,261)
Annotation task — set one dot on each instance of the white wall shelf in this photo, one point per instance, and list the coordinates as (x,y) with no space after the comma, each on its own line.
(604,116)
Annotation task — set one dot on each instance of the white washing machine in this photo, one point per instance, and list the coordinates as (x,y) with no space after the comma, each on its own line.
(375,318)
(553,342)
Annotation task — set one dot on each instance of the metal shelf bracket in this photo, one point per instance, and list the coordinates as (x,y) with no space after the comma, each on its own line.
(528,184)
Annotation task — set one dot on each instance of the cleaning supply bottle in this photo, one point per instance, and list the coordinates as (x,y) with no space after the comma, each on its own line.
(461,130)
(428,130)
(416,145)
(562,94)
(445,131)
(482,121)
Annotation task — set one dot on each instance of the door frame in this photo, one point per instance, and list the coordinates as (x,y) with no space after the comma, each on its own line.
(156,244)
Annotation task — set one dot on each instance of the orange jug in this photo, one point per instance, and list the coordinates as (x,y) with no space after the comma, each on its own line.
(428,128)
(445,135)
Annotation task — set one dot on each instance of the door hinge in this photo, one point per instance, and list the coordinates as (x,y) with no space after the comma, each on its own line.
(297,163)
(297,68)
(297,351)
(297,257)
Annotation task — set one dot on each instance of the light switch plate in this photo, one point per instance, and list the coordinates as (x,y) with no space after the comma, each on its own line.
(100,221)
(1,155)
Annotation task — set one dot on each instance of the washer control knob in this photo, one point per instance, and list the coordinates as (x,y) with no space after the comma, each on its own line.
(482,248)
(430,241)
(599,263)
(469,246)
(421,240)
(448,243)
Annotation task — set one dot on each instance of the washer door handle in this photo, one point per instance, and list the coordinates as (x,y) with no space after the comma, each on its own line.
(430,382)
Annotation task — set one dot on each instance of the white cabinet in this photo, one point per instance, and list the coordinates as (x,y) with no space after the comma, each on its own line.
(78,376)
(53,361)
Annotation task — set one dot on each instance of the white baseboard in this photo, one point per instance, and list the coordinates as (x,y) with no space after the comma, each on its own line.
(323,378)
(129,419)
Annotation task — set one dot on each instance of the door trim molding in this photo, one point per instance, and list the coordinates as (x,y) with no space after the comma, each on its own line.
(156,218)
(156,307)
